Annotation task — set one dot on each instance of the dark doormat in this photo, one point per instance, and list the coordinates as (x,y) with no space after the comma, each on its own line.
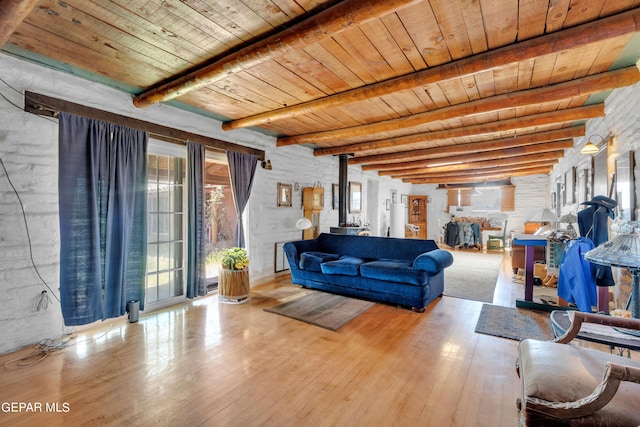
(514,323)
(322,309)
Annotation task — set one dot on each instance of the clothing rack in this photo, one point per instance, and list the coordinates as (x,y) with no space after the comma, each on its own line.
(461,233)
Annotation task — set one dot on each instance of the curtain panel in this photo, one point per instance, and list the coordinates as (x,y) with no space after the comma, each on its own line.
(196,270)
(242,168)
(103,214)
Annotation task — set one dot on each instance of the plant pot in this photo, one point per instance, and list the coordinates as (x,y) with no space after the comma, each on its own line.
(233,286)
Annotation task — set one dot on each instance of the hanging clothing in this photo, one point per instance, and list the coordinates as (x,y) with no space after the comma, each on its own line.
(477,236)
(451,234)
(576,283)
(593,224)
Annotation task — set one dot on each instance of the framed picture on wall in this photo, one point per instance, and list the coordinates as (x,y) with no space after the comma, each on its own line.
(625,186)
(569,184)
(588,190)
(335,196)
(284,195)
(581,186)
(600,177)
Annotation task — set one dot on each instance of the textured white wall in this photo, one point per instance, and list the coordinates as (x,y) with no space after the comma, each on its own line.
(30,155)
(622,121)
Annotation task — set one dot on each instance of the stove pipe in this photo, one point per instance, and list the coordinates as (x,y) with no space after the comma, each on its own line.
(342,190)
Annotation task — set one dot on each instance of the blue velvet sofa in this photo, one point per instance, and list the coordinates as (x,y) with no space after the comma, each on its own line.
(405,272)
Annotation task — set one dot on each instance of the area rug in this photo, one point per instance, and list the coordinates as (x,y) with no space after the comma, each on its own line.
(322,309)
(514,323)
(473,275)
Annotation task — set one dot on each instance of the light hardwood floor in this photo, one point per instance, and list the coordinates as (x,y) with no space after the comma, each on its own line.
(205,363)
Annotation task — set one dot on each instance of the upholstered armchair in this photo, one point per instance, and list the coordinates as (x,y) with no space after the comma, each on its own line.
(564,384)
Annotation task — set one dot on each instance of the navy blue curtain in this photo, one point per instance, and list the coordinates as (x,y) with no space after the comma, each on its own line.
(196,274)
(242,167)
(103,213)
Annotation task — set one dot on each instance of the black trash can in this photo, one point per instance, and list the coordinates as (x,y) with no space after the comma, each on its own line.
(133,308)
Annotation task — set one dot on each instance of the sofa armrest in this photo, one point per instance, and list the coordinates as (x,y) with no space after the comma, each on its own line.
(293,250)
(433,261)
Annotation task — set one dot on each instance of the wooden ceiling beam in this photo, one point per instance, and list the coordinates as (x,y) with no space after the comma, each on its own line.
(342,16)
(485,164)
(580,35)
(488,171)
(457,149)
(477,172)
(12,13)
(557,92)
(483,179)
(462,179)
(533,120)
(475,156)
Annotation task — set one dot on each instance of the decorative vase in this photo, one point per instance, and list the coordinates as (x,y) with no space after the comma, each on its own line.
(233,286)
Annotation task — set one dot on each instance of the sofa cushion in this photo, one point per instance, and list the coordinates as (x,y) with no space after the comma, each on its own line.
(390,270)
(311,260)
(346,265)
(433,261)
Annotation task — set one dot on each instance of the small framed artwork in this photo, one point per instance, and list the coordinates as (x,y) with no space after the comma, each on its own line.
(570,182)
(394,196)
(355,197)
(625,188)
(600,176)
(387,204)
(404,199)
(588,184)
(284,195)
(335,196)
(280,263)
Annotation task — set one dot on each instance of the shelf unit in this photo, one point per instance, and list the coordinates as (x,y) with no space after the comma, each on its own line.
(417,217)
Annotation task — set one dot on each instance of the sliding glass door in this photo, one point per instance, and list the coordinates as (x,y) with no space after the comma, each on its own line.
(165,233)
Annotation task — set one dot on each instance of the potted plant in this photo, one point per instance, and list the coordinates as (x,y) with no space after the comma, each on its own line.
(233,281)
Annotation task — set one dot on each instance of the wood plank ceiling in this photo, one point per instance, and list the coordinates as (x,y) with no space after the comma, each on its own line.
(428,91)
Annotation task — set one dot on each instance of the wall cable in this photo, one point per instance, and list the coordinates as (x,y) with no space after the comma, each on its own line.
(26,97)
(26,225)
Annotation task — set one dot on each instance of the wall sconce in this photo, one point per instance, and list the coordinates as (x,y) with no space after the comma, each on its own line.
(266,165)
(591,148)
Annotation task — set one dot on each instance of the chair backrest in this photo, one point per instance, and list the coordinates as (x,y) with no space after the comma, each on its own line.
(504,229)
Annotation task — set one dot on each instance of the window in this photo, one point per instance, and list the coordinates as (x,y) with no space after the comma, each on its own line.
(221,218)
(166,210)
(165,230)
